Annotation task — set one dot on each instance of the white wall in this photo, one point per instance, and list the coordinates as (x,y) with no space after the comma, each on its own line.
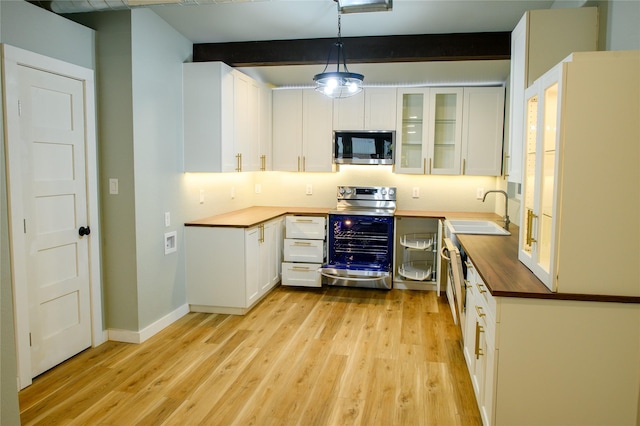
(439,193)
(158,52)
(622,25)
(31,28)
(140,126)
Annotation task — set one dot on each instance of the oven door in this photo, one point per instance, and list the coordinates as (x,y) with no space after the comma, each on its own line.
(456,289)
(360,251)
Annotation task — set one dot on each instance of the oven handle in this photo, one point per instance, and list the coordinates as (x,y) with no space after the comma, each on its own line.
(442,253)
(340,277)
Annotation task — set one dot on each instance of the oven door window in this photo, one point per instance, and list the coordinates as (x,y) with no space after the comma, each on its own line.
(361,242)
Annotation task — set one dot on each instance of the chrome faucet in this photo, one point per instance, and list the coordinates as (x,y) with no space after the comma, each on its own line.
(506,206)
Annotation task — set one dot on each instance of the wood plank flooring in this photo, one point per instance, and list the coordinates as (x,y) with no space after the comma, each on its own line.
(332,356)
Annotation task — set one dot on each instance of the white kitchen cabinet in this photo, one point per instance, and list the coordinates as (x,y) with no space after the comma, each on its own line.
(417,248)
(572,181)
(539,41)
(302,132)
(482,131)
(230,269)
(445,131)
(554,362)
(221,119)
(372,109)
(479,342)
(411,136)
(265,141)
(304,250)
(450,131)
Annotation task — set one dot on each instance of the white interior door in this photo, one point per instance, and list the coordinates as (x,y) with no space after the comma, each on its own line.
(51,163)
(52,126)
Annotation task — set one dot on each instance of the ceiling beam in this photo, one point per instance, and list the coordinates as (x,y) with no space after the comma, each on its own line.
(377,49)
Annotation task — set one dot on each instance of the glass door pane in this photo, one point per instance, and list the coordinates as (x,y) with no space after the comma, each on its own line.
(531,134)
(412,128)
(444,146)
(550,112)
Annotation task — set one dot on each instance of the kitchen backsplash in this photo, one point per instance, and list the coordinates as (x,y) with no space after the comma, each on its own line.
(223,192)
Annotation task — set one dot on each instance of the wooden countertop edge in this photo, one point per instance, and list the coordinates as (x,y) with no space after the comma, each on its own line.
(568,296)
(251,216)
(482,249)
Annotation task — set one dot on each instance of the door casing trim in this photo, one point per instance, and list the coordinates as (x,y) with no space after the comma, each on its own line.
(12,58)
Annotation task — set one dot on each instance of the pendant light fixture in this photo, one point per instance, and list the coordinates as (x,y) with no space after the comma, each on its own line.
(338,84)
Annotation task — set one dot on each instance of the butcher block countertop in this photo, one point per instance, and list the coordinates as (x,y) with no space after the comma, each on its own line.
(251,216)
(494,256)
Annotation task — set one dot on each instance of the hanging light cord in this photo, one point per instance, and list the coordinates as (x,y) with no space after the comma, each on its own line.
(341,56)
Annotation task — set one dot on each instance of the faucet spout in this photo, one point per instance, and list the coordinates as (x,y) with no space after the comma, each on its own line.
(506,206)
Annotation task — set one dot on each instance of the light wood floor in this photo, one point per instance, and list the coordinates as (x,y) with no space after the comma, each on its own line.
(334,356)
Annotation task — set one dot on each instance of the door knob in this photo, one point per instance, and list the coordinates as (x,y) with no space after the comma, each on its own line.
(84,231)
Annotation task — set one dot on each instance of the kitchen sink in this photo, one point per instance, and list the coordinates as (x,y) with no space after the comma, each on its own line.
(479,227)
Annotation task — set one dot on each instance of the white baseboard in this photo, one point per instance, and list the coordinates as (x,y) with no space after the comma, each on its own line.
(129,336)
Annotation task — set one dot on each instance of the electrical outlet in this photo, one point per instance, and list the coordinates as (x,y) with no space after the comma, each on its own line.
(233,192)
(202,196)
(258,188)
(113,186)
(415,193)
(309,189)
(479,193)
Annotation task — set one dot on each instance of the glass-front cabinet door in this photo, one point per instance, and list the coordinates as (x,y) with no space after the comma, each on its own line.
(445,132)
(411,139)
(540,168)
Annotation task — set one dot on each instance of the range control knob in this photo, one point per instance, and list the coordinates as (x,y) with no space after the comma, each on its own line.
(349,190)
(341,190)
(391,191)
(384,192)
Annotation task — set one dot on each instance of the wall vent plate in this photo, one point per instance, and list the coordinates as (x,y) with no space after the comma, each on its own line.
(170,242)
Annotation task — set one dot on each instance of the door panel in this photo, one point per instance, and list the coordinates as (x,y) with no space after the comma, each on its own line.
(52,132)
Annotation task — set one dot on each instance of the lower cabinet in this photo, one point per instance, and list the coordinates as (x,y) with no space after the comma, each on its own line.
(551,362)
(230,269)
(304,251)
(479,341)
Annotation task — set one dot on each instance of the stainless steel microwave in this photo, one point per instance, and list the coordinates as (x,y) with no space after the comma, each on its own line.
(364,146)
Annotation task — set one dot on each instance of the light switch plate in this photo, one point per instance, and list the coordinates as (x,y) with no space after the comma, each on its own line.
(167,218)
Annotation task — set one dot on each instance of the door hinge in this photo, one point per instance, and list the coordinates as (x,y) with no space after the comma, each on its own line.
(19,108)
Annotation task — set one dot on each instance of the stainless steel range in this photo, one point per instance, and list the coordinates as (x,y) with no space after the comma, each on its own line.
(360,233)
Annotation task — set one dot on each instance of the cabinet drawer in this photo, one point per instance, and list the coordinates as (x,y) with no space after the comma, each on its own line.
(485,298)
(306,227)
(310,251)
(301,274)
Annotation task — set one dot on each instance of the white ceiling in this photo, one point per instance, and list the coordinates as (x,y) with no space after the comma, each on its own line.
(219,21)
(226,21)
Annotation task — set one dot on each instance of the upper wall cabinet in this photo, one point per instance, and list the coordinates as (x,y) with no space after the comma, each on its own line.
(571,183)
(482,131)
(445,131)
(450,131)
(222,116)
(541,39)
(372,109)
(302,132)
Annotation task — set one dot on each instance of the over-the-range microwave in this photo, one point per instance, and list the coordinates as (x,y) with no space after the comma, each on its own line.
(364,146)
